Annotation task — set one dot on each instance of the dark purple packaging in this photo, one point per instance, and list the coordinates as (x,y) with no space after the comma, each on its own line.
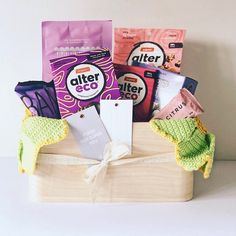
(39,97)
(84,79)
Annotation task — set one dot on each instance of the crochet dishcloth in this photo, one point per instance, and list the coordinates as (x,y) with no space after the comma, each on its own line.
(36,132)
(194,146)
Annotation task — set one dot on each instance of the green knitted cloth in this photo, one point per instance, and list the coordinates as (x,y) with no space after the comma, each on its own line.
(194,146)
(36,132)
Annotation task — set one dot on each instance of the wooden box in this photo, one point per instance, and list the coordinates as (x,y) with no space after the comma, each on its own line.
(154,177)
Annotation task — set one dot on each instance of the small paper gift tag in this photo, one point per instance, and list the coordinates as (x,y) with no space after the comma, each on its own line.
(117,117)
(89,132)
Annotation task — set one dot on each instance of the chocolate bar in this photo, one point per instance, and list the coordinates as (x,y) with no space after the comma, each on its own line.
(138,84)
(82,80)
(39,97)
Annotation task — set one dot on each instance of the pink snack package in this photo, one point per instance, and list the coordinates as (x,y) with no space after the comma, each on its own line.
(64,38)
(182,106)
(157,47)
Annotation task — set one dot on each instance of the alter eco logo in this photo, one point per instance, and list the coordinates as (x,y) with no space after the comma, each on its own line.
(85,81)
(148,53)
(132,87)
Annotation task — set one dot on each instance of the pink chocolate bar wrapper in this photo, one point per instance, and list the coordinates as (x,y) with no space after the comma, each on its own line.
(182,106)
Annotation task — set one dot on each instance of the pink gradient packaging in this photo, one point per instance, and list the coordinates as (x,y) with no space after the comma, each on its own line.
(157,47)
(64,38)
(182,106)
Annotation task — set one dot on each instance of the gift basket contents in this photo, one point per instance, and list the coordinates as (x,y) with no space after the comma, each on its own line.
(112,130)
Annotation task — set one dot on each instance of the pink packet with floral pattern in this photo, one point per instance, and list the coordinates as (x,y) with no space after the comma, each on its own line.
(157,47)
(182,106)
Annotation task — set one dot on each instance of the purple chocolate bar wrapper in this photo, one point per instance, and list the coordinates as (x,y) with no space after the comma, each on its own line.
(83,79)
(39,97)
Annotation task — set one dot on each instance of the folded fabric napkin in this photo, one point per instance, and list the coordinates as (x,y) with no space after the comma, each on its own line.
(36,132)
(194,145)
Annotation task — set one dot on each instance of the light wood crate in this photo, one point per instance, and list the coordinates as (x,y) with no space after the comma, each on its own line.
(155,179)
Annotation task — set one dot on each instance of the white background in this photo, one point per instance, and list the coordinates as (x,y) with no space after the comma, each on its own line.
(209,52)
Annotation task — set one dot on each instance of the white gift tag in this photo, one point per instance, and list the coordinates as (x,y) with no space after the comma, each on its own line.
(89,132)
(117,117)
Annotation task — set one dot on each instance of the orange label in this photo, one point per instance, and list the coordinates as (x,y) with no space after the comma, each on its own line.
(147,49)
(82,70)
(129,79)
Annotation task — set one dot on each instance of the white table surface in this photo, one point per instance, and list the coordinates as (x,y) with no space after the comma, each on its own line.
(212,212)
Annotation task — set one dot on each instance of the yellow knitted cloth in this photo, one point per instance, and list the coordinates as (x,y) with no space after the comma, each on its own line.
(36,132)
(194,146)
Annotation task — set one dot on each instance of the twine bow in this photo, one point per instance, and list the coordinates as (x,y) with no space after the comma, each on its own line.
(113,151)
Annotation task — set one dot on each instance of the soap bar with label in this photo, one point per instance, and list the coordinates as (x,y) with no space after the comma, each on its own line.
(82,80)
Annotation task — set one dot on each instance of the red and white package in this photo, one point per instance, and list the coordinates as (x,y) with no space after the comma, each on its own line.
(138,84)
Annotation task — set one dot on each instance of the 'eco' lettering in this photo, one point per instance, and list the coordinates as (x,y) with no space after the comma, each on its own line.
(132,87)
(85,81)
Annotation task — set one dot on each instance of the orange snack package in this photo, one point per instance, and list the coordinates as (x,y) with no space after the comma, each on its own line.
(157,47)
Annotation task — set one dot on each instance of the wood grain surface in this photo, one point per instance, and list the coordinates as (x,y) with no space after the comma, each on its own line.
(151,180)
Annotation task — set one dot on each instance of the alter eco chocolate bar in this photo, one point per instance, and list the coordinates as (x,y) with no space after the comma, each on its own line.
(82,80)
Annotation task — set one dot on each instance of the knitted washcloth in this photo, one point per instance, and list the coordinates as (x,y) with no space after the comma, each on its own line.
(194,146)
(36,132)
